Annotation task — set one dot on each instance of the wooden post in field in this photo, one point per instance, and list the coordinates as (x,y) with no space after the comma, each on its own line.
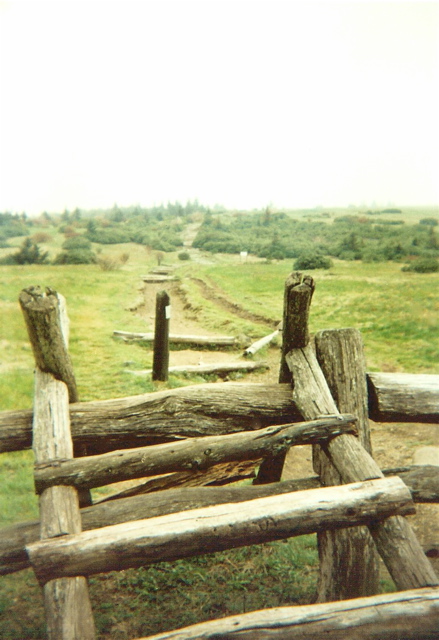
(160,365)
(348,558)
(67,604)
(298,292)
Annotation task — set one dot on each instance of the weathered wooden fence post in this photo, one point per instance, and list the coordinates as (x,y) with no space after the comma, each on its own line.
(160,365)
(348,558)
(298,293)
(66,600)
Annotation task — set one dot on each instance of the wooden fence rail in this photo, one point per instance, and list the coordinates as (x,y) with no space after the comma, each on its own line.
(210,409)
(219,527)
(408,615)
(191,453)
(422,482)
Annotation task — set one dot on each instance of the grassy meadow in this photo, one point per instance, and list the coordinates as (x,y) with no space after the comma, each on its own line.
(395,311)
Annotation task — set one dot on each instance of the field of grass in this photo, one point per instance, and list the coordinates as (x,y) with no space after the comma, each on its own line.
(396,313)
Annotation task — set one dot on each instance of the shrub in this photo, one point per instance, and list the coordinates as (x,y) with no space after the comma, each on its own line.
(423,265)
(41,236)
(312,261)
(184,255)
(29,253)
(76,242)
(109,263)
(109,236)
(432,222)
(75,256)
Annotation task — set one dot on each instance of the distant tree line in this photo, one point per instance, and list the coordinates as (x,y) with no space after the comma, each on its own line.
(350,237)
(274,236)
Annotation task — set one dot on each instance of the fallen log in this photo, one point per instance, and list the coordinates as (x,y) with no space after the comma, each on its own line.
(154,279)
(259,344)
(408,615)
(174,338)
(107,511)
(219,368)
(191,453)
(216,528)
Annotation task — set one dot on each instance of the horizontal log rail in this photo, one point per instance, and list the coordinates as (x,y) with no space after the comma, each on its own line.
(210,409)
(217,528)
(403,397)
(412,615)
(174,338)
(14,538)
(191,453)
(163,416)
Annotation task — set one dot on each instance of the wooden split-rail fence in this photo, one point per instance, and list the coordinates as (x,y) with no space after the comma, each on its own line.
(197,435)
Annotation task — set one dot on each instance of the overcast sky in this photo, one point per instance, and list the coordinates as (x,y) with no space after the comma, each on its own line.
(240,102)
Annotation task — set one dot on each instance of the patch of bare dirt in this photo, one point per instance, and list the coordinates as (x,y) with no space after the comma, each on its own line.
(212,293)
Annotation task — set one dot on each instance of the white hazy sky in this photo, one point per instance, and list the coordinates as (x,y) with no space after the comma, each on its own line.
(238,102)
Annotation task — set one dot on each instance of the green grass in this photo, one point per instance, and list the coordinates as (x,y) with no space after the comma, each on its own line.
(396,312)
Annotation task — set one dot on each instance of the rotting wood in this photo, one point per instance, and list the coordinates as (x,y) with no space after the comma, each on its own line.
(219,475)
(193,453)
(14,538)
(422,480)
(217,528)
(403,397)
(67,602)
(146,419)
(348,558)
(396,543)
(298,292)
(406,615)
(174,338)
(220,368)
(42,315)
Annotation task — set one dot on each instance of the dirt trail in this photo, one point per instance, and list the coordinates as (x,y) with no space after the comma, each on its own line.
(184,321)
(214,294)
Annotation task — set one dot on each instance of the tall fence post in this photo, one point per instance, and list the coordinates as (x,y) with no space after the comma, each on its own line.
(348,558)
(160,365)
(298,292)
(66,600)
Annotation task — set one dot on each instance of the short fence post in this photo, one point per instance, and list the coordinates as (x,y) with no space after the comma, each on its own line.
(160,365)
(297,299)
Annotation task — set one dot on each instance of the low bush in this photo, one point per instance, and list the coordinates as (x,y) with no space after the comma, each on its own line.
(75,256)
(310,261)
(76,242)
(423,265)
(29,253)
(184,255)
